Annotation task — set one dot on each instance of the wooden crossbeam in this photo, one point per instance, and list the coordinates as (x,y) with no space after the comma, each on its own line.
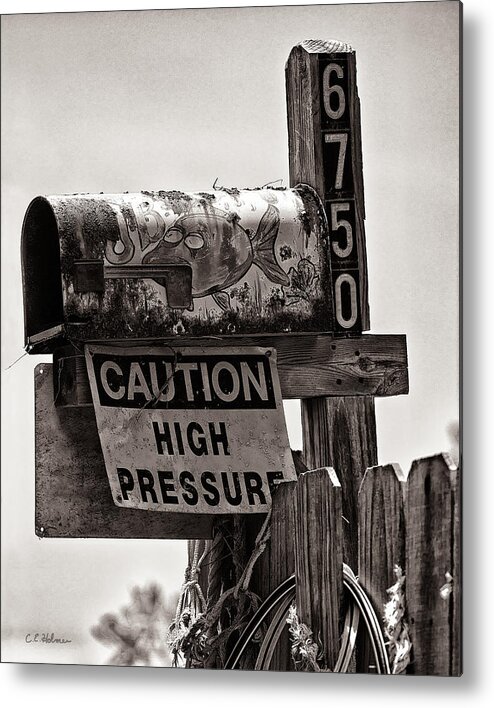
(309,365)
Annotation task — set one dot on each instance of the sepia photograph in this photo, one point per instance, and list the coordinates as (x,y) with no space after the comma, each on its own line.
(231,416)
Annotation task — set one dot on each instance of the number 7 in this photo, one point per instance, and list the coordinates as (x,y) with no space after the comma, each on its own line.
(341,138)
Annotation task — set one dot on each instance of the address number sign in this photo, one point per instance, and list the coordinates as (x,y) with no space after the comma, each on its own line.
(340,189)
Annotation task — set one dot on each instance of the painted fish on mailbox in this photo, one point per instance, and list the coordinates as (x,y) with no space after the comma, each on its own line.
(219,251)
(155,263)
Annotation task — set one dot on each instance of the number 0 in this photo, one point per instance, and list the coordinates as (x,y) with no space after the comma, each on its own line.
(328,90)
(346,278)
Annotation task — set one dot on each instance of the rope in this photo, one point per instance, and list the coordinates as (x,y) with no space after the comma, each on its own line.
(217,553)
(260,546)
(191,603)
(204,633)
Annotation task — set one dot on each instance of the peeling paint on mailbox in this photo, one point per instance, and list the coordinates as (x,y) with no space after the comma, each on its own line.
(198,431)
(154,263)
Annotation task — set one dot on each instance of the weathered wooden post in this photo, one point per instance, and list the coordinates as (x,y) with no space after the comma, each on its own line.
(325,151)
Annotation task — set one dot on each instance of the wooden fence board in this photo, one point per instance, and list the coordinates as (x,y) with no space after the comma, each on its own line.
(281,550)
(381,538)
(281,560)
(431,560)
(319,558)
(381,531)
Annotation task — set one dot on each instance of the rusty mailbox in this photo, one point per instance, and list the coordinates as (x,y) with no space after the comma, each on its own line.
(154,264)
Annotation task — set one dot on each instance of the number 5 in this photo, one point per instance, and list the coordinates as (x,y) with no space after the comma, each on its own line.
(338,224)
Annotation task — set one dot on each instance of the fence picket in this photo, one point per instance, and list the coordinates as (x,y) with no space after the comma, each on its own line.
(282,559)
(319,558)
(381,538)
(432,521)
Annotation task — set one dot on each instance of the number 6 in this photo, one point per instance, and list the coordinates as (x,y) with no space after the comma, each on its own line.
(327,90)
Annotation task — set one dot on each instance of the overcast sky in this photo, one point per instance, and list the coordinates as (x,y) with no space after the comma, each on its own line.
(172,100)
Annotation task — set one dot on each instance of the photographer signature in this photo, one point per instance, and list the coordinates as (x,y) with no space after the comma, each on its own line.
(45,638)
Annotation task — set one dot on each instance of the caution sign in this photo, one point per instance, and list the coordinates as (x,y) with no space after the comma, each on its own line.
(199,430)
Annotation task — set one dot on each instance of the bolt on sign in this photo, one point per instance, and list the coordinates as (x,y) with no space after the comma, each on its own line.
(200,431)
